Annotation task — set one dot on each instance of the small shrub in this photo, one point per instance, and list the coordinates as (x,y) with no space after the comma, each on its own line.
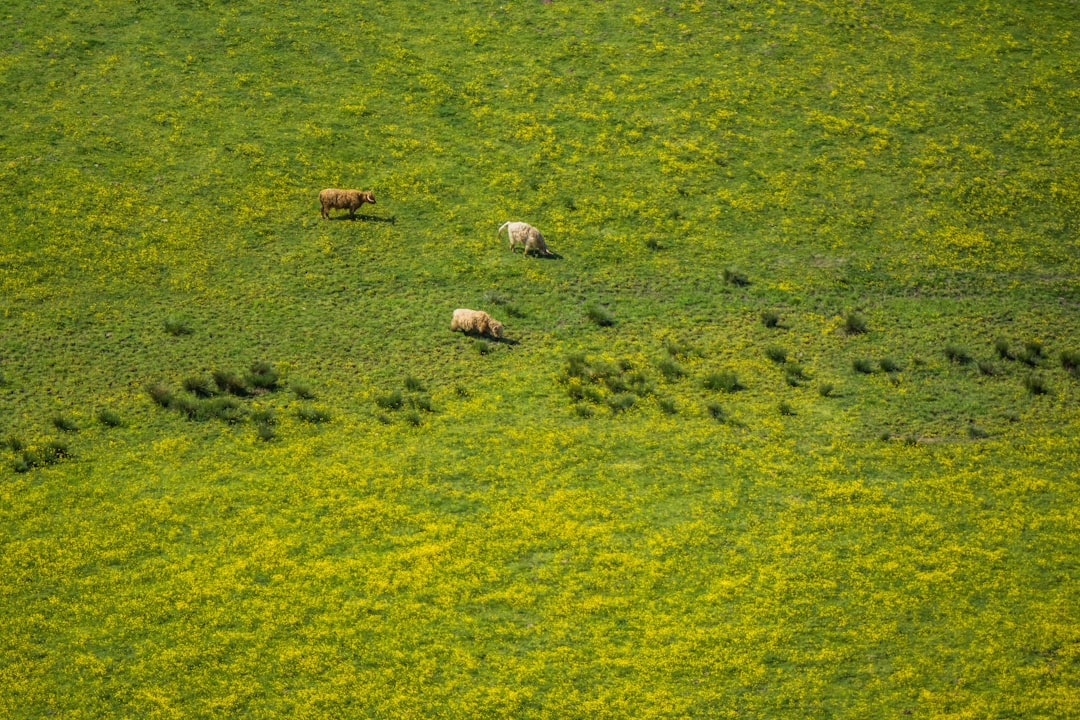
(175,325)
(911,439)
(639,384)
(986,368)
(55,451)
(188,407)
(199,386)
(15,443)
(599,315)
(976,433)
(109,418)
(302,390)
(576,365)
(957,354)
(1036,385)
(667,406)
(265,431)
(734,276)
(384,418)
(716,411)
(770,318)
(670,369)
(496,298)
(160,394)
(264,417)
(1034,348)
(677,349)
(20,465)
(592,395)
(64,424)
(482,347)
(652,243)
(461,391)
(413,418)
(854,324)
(421,402)
(825,389)
(885,436)
(222,408)
(726,381)
(413,385)
(313,415)
(777,354)
(1070,362)
(262,376)
(621,402)
(230,383)
(390,401)
(862,365)
(582,410)
(616,383)
(785,408)
(794,374)
(1001,345)
(888,365)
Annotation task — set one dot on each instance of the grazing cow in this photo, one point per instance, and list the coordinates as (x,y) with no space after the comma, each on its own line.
(334,199)
(476,322)
(525,235)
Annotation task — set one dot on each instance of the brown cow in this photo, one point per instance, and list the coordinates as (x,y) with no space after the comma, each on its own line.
(334,199)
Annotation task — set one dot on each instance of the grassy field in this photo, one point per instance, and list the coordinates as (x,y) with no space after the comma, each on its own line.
(789,427)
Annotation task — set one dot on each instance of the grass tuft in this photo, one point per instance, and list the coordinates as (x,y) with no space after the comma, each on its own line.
(262,376)
(1036,385)
(109,418)
(313,415)
(64,424)
(862,365)
(177,326)
(389,401)
(734,276)
(770,319)
(670,369)
(825,389)
(855,324)
(726,381)
(599,315)
(229,382)
(957,354)
(777,354)
(199,386)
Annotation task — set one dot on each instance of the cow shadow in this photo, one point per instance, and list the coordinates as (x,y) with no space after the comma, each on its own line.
(367,218)
(550,256)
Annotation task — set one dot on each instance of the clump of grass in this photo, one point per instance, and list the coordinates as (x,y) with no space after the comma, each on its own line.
(177,326)
(265,416)
(653,244)
(885,436)
(957,354)
(222,408)
(986,368)
(976,433)
(670,369)
(497,298)
(862,365)
(785,408)
(667,406)
(302,390)
(421,402)
(389,401)
(160,394)
(4,382)
(716,411)
(1036,385)
(825,389)
(199,386)
(599,315)
(64,423)
(188,407)
(794,374)
(462,391)
(15,443)
(1001,345)
(262,376)
(313,415)
(577,365)
(621,402)
(266,431)
(1034,348)
(413,384)
(384,418)
(855,324)
(1070,362)
(677,349)
(777,354)
(109,418)
(482,347)
(734,276)
(55,451)
(231,383)
(639,384)
(888,365)
(770,319)
(911,439)
(413,418)
(725,381)
(583,410)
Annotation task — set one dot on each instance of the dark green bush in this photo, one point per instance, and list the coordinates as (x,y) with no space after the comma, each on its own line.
(413,384)
(957,354)
(1001,345)
(1036,385)
(599,315)
(862,365)
(888,365)
(825,389)
(734,276)
(175,325)
(667,406)
(230,383)
(716,411)
(413,418)
(389,401)
(770,318)
(302,390)
(265,416)
(222,408)
(160,394)
(482,347)
(15,443)
(582,410)
(794,374)
(109,418)
(986,368)
(785,408)
(777,354)
(421,402)
(265,431)
(313,415)
(64,424)
(1070,362)
(262,376)
(854,324)
(622,402)
(670,369)
(977,433)
(725,381)
(678,349)
(199,386)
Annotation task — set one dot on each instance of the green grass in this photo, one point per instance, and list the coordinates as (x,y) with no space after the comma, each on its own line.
(557,537)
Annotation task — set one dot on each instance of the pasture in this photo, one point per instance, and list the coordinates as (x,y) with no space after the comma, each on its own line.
(787,426)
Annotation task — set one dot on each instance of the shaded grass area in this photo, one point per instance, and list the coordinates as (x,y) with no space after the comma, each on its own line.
(890,181)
